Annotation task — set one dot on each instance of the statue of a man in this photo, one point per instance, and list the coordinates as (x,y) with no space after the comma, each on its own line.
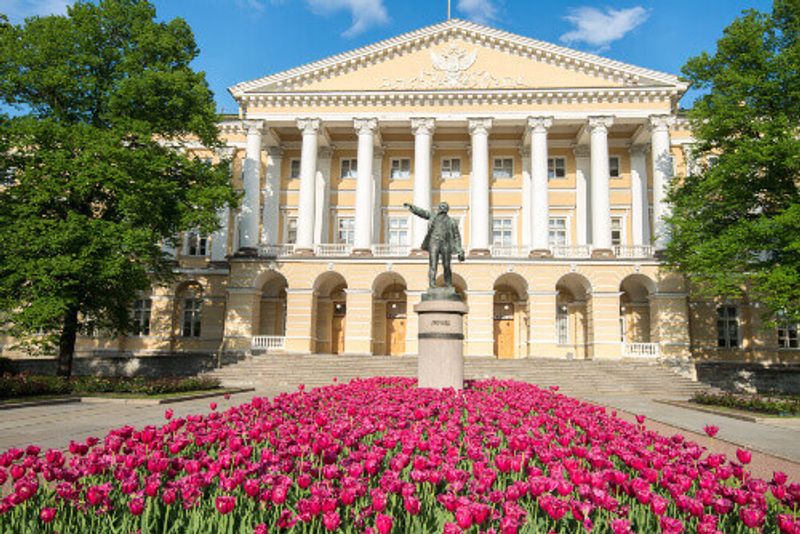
(442,241)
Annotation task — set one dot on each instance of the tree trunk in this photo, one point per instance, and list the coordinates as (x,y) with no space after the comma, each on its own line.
(66,342)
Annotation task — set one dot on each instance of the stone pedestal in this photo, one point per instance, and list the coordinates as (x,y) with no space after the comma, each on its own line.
(441,339)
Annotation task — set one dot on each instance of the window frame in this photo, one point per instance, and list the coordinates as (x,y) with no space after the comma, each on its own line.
(287,224)
(197,244)
(724,323)
(292,175)
(510,228)
(351,231)
(192,317)
(401,174)
(788,333)
(566,230)
(552,168)
(451,173)
(562,325)
(406,228)
(495,168)
(141,316)
(621,219)
(618,167)
(352,168)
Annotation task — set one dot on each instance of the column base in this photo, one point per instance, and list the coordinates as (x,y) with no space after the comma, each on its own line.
(603,253)
(540,253)
(361,252)
(303,252)
(480,253)
(418,252)
(247,252)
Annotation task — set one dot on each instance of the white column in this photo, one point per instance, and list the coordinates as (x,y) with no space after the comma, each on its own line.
(539,202)
(308,173)
(601,209)
(640,219)
(479,187)
(662,175)
(362,239)
(377,194)
(527,189)
(219,239)
(583,172)
(270,215)
(423,135)
(251,176)
(322,183)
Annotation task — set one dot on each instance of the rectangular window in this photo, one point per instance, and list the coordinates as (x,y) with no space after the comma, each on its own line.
(191,316)
(294,168)
(291,231)
(613,167)
(398,230)
(557,231)
(556,168)
(349,168)
(502,168)
(401,169)
(141,317)
(711,161)
(787,335)
(345,230)
(727,326)
(451,168)
(562,325)
(616,230)
(196,244)
(502,231)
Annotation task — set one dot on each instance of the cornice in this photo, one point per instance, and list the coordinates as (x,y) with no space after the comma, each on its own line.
(618,71)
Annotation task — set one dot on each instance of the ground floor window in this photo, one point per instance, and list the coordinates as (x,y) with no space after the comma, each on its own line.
(787,335)
(141,317)
(727,326)
(192,308)
(562,325)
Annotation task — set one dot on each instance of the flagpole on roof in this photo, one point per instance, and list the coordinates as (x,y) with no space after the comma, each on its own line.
(448,9)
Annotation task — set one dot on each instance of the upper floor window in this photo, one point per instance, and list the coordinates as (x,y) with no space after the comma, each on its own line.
(613,167)
(401,169)
(349,168)
(141,317)
(451,168)
(290,233)
(727,326)
(616,230)
(787,334)
(345,230)
(398,230)
(502,231)
(502,168)
(196,244)
(192,310)
(557,231)
(556,168)
(294,168)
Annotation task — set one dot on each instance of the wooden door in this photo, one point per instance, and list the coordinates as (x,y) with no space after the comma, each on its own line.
(396,336)
(504,338)
(337,334)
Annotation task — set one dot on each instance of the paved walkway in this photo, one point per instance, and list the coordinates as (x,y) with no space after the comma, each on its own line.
(777,443)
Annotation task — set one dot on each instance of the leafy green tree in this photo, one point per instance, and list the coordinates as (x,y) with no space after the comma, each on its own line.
(736,223)
(95,179)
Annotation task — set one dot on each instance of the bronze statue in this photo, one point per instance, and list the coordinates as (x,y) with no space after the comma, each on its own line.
(442,241)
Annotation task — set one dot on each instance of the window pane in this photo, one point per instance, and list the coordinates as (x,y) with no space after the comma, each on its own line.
(294,171)
(613,167)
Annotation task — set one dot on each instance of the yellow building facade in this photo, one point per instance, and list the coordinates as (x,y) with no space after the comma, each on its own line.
(553,161)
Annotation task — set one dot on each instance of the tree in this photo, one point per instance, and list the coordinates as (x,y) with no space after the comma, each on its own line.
(735,224)
(95,176)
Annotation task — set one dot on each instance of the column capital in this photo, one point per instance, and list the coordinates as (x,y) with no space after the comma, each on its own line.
(275,151)
(479,125)
(661,122)
(639,150)
(582,151)
(309,125)
(253,127)
(365,125)
(540,124)
(422,125)
(602,123)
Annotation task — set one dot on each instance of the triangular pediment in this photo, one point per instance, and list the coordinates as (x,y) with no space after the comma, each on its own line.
(458,55)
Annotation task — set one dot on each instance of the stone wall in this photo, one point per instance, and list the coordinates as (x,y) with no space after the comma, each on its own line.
(743,377)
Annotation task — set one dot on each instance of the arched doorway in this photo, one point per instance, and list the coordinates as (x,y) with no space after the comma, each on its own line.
(329,313)
(510,324)
(272,307)
(634,308)
(389,315)
(573,315)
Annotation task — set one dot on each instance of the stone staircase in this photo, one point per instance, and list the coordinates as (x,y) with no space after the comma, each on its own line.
(581,378)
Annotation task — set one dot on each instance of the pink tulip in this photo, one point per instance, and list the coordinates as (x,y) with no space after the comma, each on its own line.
(752,517)
(743,456)
(331,520)
(212,405)
(168,414)
(136,506)
(464,517)
(225,504)
(384,523)
(47,514)
(711,430)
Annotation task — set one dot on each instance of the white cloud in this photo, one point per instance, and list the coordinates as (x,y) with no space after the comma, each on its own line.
(365,13)
(19,10)
(599,29)
(480,11)
(254,5)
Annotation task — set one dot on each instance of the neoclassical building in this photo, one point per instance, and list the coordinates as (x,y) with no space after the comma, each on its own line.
(553,161)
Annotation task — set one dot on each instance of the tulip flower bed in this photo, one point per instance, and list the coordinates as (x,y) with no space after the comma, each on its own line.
(381,456)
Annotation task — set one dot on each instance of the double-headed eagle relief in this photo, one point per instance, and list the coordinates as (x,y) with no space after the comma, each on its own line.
(453,68)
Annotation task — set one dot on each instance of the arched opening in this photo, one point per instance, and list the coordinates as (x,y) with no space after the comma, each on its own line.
(573,315)
(459,284)
(510,316)
(188,313)
(389,315)
(272,307)
(634,308)
(329,313)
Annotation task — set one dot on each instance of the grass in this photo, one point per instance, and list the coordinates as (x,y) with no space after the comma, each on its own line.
(775,406)
(23,386)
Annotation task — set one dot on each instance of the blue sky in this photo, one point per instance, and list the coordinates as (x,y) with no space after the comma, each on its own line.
(246,39)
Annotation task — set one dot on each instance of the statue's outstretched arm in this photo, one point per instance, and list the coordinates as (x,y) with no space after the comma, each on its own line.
(419,212)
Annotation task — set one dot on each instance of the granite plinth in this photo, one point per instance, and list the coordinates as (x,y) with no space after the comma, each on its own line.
(441,343)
